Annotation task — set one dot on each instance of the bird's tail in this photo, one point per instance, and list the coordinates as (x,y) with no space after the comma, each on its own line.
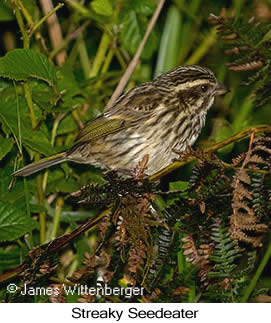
(41,164)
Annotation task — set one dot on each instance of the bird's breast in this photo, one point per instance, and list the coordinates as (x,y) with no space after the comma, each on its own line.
(156,137)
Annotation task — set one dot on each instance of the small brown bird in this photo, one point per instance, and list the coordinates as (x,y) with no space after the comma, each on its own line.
(154,118)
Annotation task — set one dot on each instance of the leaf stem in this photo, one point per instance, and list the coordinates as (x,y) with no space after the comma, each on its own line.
(29,101)
(25,13)
(59,205)
(43,19)
(243,114)
(19,120)
(79,8)
(99,58)
(55,126)
(28,97)
(106,65)
(26,41)
(120,59)
(83,54)
(20,243)
(203,48)
(27,199)
(42,215)
(192,294)
(22,27)
(26,190)
(258,273)
(53,137)
(108,60)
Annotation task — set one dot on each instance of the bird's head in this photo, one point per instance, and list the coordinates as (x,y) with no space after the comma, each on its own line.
(195,87)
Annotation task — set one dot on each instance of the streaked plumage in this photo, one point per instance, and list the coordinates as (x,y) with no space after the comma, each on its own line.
(153,118)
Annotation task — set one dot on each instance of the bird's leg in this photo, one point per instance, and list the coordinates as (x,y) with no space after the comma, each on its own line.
(110,175)
(184,154)
(197,153)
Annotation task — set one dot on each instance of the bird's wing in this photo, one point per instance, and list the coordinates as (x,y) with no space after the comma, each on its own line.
(106,124)
(98,128)
(144,99)
(134,106)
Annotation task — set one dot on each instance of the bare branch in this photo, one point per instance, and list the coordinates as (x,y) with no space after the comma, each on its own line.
(54,30)
(134,61)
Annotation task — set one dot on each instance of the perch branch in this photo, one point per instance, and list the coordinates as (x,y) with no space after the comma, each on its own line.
(239,136)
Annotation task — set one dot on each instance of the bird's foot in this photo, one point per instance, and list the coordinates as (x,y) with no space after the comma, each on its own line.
(184,154)
(197,153)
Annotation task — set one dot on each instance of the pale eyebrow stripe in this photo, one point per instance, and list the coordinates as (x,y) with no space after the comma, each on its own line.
(187,85)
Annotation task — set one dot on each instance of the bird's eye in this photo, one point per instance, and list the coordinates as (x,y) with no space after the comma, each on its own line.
(204,88)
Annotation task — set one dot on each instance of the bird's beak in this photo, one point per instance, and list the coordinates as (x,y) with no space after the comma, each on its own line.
(221,89)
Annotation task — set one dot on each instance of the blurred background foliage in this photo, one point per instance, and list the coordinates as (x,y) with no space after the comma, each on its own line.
(49,92)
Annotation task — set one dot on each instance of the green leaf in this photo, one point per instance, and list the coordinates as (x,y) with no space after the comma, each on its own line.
(180,185)
(10,257)
(66,81)
(13,222)
(5,12)
(36,140)
(71,92)
(169,44)
(67,125)
(145,7)
(58,182)
(43,95)
(21,64)
(222,130)
(73,216)
(37,208)
(225,132)
(17,194)
(102,7)
(132,33)
(6,145)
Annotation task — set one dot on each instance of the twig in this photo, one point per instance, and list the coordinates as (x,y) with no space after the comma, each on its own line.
(99,58)
(59,206)
(83,54)
(54,29)
(20,22)
(39,23)
(134,61)
(53,246)
(248,155)
(78,7)
(71,36)
(26,13)
(240,135)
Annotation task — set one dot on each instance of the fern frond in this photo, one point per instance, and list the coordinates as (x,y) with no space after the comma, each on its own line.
(248,41)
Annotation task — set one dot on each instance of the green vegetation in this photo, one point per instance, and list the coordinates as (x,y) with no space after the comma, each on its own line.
(208,239)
